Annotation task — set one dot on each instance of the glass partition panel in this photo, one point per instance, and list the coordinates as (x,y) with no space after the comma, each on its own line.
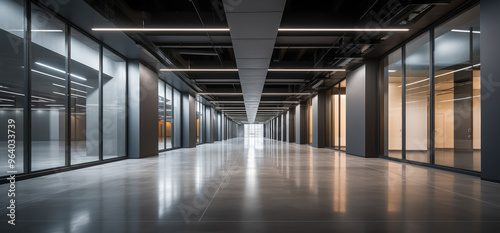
(336,116)
(168,117)
(458,92)
(49,99)
(114,109)
(342,117)
(417,99)
(176,135)
(309,122)
(161,115)
(393,76)
(84,98)
(11,84)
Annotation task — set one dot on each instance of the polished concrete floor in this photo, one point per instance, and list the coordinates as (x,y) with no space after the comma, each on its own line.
(255,185)
(49,154)
(470,160)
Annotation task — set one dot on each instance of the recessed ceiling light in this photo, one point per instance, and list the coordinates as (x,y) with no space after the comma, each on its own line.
(58,70)
(305,70)
(200,70)
(48,75)
(227,29)
(270,70)
(206,93)
(59,93)
(466,31)
(299,93)
(343,29)
(454,71)
(35,30)
(83,85)
(162,29)
(12,93)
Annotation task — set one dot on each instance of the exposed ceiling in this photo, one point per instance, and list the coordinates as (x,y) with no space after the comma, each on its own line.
(254,44)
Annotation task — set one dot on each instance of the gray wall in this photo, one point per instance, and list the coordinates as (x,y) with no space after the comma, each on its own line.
(355,112)
(208,125)
(490,95)
(241,130)
(301,123)
(188,120)
(143,111)
(290,125)
(319,120)
(149,111)
(361,111)
(278,128)
(283,127)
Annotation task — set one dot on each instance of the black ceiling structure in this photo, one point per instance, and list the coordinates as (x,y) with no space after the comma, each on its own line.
(258,21)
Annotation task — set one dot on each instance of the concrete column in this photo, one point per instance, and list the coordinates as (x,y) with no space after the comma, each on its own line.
(361,111)
(142,110)
(215,130)
(319,119)
(241,130)
(283,126)
(290,124)
(209,125)
(224,127)
(188,120)
(301,123)
(278,126)
(490,95)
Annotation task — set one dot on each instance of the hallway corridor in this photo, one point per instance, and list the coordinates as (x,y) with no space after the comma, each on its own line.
(256,185)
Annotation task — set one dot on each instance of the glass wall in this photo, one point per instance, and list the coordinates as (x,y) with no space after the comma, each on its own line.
(417,99)
(457,93)
(177,116)
(169,132)
(49,90)
(114,86)
(200,122)
(342,116)
(161,115)
(309,122)
(12,96)
(440,100)
(84,98)
(336,116)
(168,117)
(65,96)
(394,81)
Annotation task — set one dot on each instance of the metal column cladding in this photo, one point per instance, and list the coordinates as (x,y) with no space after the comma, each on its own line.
(253,27)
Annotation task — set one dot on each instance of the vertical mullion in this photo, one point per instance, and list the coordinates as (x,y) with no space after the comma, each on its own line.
(432,98)
(100,103)
(403,99)
(164,115)
(172,130)
(471,62)
(339,115)
(68,95)
(27,87)
(126,108)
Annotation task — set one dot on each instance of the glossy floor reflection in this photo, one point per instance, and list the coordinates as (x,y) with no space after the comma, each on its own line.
(255,185)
